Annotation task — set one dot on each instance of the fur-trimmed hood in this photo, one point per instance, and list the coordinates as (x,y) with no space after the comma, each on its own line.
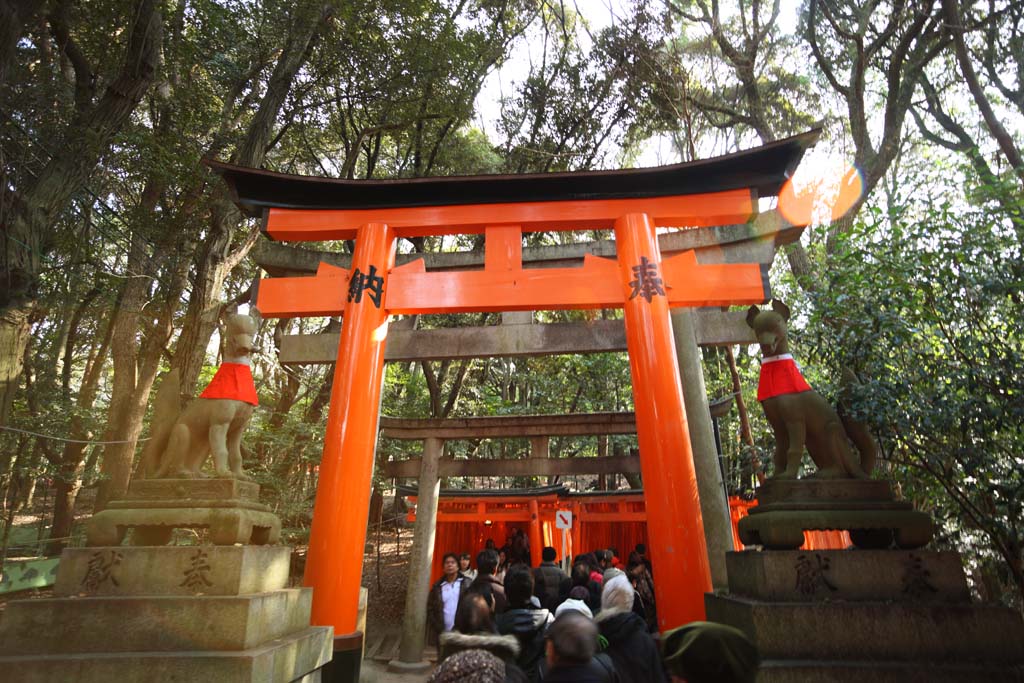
(505,647)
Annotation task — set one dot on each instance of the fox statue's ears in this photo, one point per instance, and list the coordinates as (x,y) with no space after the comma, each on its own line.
(751,314)
(780,308)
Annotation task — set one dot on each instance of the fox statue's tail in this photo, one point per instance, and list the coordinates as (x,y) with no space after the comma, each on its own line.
(856,430)
(166,409)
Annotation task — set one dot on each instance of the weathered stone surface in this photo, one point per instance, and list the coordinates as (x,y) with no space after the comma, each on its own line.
(192,489)
(823,490)
(172,570)
(295,657)
(154,526)
(713,327)
(809,575)
(155,623)
(875,631)
(878,528)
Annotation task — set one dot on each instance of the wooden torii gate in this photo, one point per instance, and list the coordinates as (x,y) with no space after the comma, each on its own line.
(634,203)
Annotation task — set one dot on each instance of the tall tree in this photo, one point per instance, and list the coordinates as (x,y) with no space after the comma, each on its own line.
(32,203)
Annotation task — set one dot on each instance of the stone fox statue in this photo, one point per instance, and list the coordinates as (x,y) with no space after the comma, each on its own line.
(180,440)
(798,415)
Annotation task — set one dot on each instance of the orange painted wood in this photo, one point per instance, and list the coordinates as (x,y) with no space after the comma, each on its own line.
(674,521)
(282,297)
(536,544)
(513,516)
(334,566)
(695,210)
(689,283)
(412,290)
(612,517)
(592,286)
(503,248)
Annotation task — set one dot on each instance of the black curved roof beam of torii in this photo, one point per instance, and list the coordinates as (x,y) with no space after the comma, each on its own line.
(762,169)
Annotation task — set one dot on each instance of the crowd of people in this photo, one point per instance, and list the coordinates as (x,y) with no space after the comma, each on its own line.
(505,621)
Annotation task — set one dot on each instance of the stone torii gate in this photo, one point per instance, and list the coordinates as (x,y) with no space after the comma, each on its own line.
(634,203)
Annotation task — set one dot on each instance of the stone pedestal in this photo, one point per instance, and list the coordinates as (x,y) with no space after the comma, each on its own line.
(866,508)
(154,508)
(189,613)
(857,615)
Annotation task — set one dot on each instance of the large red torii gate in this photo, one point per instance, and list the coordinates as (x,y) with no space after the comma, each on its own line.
(633,203)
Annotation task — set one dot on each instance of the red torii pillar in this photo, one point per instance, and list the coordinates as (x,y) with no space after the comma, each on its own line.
(674,520)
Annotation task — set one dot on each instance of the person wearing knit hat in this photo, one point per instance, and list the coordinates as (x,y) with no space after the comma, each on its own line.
(577,600)
(610,573)
(704,651)
(630,647)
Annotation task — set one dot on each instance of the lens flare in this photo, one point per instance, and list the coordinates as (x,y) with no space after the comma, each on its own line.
(823,193)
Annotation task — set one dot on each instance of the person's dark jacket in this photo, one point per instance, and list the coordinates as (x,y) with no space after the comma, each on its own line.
(528,625)
(630,646)
(592,672)
(556,585)
(497,590)
(505,648)
(435,607)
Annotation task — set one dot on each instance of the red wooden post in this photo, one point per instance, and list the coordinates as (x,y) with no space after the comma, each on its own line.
(335,562)
(670,484)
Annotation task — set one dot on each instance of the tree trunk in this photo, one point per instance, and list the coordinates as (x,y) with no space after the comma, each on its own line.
(741,407)
(115,466)
(14,334)
(70,469)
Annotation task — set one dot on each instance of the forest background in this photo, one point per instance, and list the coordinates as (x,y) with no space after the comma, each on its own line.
(120,250)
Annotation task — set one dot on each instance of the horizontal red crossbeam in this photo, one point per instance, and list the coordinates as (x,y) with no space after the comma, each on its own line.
(696,210)
(412,290)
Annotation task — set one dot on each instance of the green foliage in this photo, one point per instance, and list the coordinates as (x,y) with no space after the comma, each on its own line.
(927,310)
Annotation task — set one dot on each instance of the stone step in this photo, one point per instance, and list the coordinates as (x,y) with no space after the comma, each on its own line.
(172,570)
(775,671)
(295,657)
(889,631)
(156,623)
(864,575)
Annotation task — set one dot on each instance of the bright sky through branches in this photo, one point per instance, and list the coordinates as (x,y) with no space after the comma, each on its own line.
(825,185)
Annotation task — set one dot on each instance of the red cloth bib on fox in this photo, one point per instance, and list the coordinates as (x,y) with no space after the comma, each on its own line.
(232,381)
(780,375)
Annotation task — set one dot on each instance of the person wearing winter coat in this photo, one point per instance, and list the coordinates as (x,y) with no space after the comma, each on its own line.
(524,621)
(487,567)
(630,646)
(556,583)
(444,597)
(577,601)
(571,652)
(474,630)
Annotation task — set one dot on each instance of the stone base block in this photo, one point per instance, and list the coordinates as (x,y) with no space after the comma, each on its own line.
(295,657)
(155,623)
(875,631)
(850,575)
(187,491)
(784,529)
(172,570)
(841,491)
(886,672)
(154,526)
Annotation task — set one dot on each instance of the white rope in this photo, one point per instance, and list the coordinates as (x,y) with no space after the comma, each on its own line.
(61,438)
